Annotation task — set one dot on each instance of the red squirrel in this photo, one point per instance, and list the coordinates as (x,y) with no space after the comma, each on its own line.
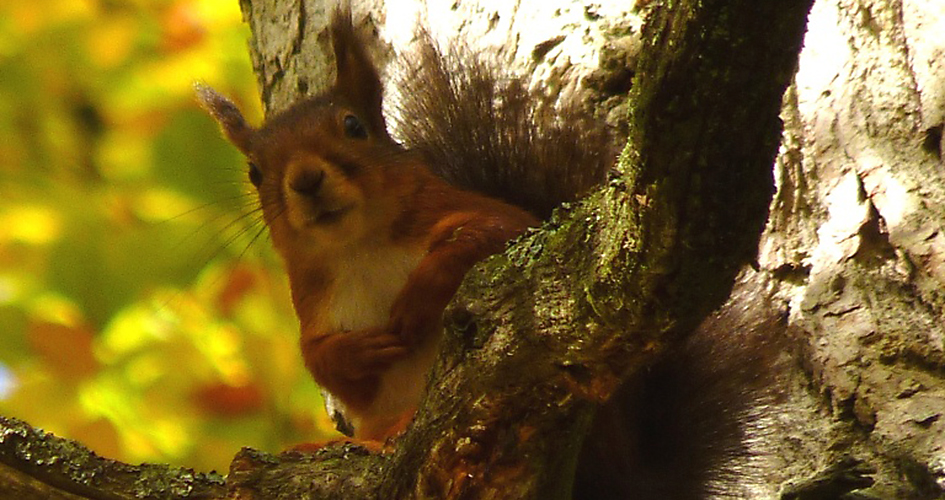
(376,236)
(374,242)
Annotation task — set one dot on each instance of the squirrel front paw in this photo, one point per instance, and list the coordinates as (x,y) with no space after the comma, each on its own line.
(354,355)
(348,364)
(417,313)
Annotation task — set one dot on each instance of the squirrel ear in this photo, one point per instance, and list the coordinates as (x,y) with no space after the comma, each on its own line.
(227,115)
(357,78)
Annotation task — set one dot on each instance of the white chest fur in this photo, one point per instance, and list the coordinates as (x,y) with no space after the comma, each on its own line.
(366,284)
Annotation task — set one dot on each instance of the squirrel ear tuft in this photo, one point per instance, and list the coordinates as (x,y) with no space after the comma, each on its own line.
(226,114)
(357,78)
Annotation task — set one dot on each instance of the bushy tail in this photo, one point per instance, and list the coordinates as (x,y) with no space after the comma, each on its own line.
(485,131)
(693,425)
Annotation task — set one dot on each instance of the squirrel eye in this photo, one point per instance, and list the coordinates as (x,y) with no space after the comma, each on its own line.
(255,174)
(354,128)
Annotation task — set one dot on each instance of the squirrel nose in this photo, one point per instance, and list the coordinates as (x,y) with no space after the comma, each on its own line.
(308,183)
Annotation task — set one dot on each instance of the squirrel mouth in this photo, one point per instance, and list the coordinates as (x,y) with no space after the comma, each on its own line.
(328,217)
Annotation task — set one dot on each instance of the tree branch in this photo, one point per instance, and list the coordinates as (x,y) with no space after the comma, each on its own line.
(40,465)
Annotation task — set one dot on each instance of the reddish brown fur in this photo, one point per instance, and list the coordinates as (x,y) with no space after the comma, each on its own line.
(333,199)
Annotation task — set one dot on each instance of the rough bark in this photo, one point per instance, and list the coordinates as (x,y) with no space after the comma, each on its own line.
(854,244)
(34,464)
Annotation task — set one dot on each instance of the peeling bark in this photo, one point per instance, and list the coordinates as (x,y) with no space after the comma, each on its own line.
(856,242)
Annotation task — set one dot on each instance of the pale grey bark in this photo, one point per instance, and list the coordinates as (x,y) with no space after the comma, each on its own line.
(856,243)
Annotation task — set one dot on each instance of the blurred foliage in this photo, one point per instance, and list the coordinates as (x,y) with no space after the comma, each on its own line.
(141,309)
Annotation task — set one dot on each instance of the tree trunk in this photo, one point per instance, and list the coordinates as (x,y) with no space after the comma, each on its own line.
(854,247)
(855,243)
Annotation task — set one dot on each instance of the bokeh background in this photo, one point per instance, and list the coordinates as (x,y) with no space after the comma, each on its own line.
(142,312)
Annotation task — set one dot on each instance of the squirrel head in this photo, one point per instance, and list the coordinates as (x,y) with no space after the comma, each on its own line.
(323,168)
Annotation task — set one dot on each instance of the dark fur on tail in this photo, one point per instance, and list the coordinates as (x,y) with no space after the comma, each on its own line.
(685,428)
(485,131)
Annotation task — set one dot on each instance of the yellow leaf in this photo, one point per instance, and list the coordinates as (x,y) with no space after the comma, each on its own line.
(111,41)
(34,225)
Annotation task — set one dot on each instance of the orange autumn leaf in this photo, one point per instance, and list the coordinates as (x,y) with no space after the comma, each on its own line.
(65,349)
(229,401)
(238,282)
(182,27)
(100,435)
